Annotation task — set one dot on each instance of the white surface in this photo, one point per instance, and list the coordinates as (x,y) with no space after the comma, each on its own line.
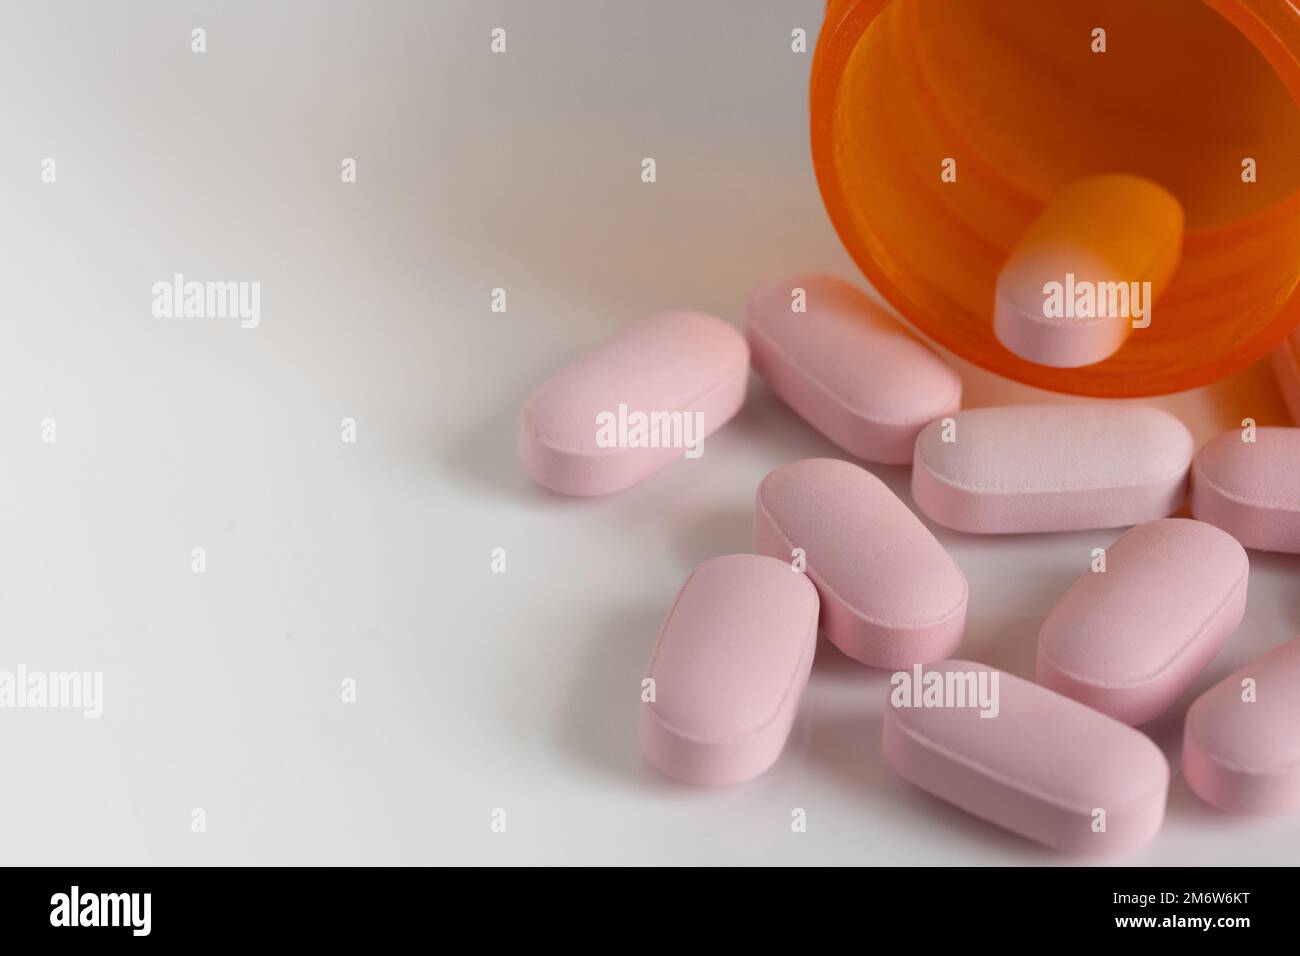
(370,561)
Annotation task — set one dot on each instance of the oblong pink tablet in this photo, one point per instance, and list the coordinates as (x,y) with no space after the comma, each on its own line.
(1042,765)
(1286,368)
(1024,468)
(650,394)
(847,367)
(891,595)
(1127,641)
(1088,270)
(729,669)
(1241,741)
(1250,489)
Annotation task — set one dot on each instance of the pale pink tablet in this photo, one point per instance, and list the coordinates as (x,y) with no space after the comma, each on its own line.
(1286,368)
(891,595)
(1042,765)
(1251,489)
(1088,270)
(1129,639)
(729,669)
(1241,742)
(1024,468)
(649,395)
(847,367)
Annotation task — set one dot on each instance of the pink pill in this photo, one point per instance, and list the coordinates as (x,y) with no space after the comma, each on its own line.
(1241,742)
(649,395)
(847,367)
(729,669)
(1286,368)
(1088,270)
(1251,489)
(1051,467)
(1127,641)
(1042,765)
(890,594)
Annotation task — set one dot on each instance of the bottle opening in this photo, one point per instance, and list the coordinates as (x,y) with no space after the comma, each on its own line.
(942,129)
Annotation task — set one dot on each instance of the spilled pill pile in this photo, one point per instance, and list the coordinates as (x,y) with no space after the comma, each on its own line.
(837,552)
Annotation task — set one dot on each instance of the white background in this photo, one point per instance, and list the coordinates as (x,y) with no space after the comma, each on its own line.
(370,561)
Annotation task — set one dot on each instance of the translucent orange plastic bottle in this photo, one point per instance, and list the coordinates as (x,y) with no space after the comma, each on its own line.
(1198,95)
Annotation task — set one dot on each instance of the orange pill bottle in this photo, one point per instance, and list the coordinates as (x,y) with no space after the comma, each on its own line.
(941,128)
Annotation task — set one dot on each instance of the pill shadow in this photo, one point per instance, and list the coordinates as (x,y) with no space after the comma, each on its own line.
(1280,567)
(769,427)
(709,534)
(484,455)
(1167,728)
(841,744)
(832,666)
(1186,807)
(597,728)
(484,458)
(780,435)
(1008,643)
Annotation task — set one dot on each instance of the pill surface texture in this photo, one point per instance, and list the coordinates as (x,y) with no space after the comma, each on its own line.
(1087,270)
(1286,368)
(1051,467)
(890,594)
(1128,640)
(1042,766)
(729,669)
(649,395)
(1241,741)
(847,367)
(1251,489)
